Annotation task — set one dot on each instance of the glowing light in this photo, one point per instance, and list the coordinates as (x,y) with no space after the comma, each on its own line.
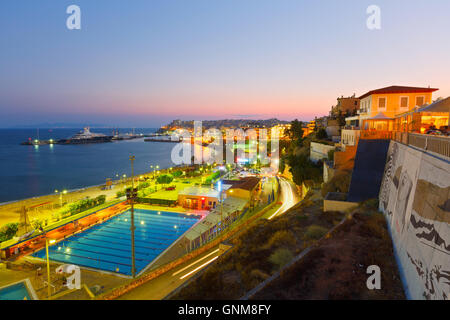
(195,262)
(198,268)
(51,241)
(142,222)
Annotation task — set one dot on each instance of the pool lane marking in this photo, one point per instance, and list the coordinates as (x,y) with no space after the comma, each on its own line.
(198,268)
(195,262)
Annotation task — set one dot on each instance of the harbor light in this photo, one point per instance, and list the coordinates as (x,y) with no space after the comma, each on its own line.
(142,222)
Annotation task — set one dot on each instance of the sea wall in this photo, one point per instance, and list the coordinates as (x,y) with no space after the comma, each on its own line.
(414,196)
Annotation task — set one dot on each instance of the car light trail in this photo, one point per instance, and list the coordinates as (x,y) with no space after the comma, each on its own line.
(288,199)
(197,261)
(198,268)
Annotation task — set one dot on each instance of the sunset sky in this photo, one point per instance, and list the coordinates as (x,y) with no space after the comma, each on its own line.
(142,63)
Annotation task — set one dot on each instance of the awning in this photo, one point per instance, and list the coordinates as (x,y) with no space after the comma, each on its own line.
(380,116)
(437,106)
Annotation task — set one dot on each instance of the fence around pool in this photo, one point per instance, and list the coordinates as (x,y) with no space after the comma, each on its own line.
(107,246)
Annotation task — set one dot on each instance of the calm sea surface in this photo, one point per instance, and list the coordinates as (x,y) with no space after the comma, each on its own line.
(28,171)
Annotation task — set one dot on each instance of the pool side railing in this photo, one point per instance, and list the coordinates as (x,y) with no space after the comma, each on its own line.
(10,245)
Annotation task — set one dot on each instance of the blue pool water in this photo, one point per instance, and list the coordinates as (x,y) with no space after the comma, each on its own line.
(17,291)
(108,246)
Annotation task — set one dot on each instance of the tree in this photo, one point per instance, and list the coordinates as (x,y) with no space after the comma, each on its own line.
(164,179)
(321,134)
(295,132)
(304,169)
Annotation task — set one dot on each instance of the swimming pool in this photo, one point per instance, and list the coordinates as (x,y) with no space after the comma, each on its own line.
(16,291)
(107,246)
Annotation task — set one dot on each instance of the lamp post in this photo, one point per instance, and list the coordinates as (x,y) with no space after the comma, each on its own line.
(60,196)
(221,203)
(154,169)
(132,228)
(47,242)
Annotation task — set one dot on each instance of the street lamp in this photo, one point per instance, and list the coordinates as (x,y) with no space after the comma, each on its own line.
(47,243)
(154,169)
(132,228)
(60,196)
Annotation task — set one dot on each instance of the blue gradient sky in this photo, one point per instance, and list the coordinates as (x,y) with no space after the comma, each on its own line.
(142,63)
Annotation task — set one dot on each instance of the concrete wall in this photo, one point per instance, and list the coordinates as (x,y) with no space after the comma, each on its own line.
(328,171)
(415,198)
(319,151)
(333,130)
(336,201)
(340,206)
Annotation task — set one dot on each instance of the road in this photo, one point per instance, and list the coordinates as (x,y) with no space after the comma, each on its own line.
(161,286)
(288,197)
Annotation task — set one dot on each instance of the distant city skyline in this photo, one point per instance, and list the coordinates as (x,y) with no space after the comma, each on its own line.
(145,63)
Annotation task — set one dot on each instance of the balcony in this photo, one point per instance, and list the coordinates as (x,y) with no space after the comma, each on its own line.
(350,136)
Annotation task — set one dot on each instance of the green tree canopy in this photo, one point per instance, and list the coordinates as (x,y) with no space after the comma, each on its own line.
(165,179)
(295,132)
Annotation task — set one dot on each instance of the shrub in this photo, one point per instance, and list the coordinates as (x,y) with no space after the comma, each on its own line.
(315,232)
(321,134)
(281,238)
(281,257)
(331,155)
(178,173)
(339,183)
(120,194)
(143,185)
(38,224)
(370,204)
(8,231)
(165,179)
(100,199)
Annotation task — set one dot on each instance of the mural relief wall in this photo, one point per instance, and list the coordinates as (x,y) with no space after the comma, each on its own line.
(415,198)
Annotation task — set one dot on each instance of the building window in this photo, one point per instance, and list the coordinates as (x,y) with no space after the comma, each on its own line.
(381,103)
(420,101)
(404,102)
